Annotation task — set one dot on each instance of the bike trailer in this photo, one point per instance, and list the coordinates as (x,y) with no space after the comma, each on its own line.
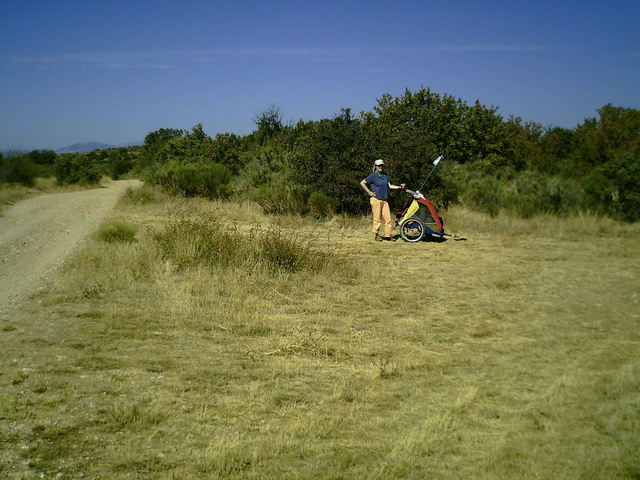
(419,218)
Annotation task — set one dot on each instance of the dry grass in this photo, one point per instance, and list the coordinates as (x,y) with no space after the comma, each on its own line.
(511,355)
(548,226)
(12,193)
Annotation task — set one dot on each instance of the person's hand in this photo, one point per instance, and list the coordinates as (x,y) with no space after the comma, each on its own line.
(372,194)
(402,185)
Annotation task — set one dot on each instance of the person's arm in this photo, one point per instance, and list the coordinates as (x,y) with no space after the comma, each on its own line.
(397,187)
(366,188)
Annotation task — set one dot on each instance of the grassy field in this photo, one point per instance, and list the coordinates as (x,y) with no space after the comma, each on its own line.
(222,343)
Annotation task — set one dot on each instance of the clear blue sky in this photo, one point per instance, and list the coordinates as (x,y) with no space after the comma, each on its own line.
(112,71)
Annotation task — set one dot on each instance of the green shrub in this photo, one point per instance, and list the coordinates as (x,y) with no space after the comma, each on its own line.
(285,200)
(321,205)
(191,243)
(625,172)
(528,195)
(261,166)
(525,194)
(42,157)
(75,168)
(210,180)
(19,170)
(119,165)
(536,193)
(484,195)
(283,253)
(614,188)
(143,195)
(117,232)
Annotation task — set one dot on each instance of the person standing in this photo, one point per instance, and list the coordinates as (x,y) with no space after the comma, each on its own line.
(377,186)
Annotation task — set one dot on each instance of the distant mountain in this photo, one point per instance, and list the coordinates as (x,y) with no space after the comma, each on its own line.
(85,147)
(91,146)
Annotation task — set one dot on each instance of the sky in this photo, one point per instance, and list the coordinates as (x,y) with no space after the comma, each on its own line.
(111,72)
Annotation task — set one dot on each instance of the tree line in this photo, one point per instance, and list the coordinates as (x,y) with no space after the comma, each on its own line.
(68,168)
(491,164)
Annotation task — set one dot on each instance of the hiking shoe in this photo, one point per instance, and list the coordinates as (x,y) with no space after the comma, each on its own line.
(378,238)
(390,239)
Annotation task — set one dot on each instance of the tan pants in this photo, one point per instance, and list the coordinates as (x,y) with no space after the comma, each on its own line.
(381,215)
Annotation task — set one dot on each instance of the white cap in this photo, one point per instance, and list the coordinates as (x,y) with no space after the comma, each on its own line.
(378,162)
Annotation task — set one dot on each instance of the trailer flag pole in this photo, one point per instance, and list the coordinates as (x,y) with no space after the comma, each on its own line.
(435,163)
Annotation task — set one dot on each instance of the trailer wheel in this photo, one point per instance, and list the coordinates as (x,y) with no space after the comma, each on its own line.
(412,230)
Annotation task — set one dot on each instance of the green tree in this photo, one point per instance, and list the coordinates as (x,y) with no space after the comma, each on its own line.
(155,141)
(18,169)
(162,135)
(269,123)
(597,141)
(522,144)
(42,157)
(120,162)
(331,157)
(194,147)
(76,168)
(556,145)
(615,187)
(411,130)
(227,149)
(620,129)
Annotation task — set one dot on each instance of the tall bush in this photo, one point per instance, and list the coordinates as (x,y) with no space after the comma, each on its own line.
(75,168)
(209,180)
(524,194)
(614,188)
(227,149)
(120,162)
(332,157)
(282,200)
(536,193)
(264,165)
(321,205)
(18,169)
(484,194)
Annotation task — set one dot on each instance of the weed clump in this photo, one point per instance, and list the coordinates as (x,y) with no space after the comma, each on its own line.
(281,200)
(280,252)
(118,232)
(191,243)
(143,195)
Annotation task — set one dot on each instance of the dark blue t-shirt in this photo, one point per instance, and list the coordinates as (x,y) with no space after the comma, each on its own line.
(380,186)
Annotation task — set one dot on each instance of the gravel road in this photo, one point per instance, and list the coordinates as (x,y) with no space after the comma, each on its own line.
(38,233)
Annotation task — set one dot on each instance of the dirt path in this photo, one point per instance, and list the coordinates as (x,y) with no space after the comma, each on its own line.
(38,233)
